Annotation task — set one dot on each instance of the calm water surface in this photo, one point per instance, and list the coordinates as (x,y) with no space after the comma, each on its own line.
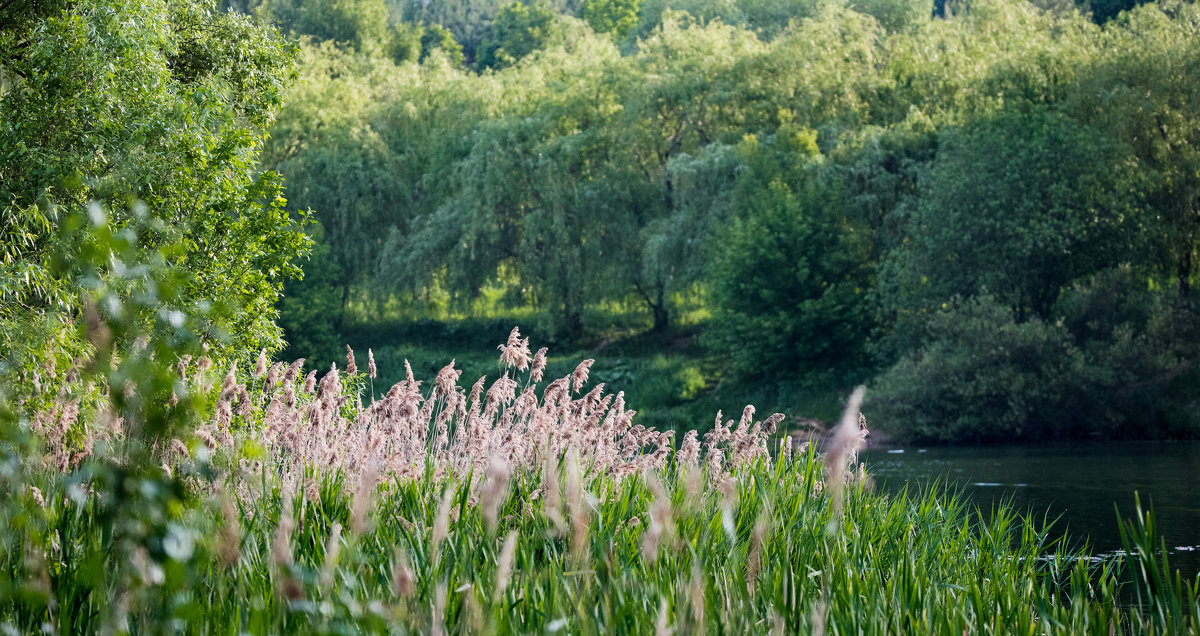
(1081,485)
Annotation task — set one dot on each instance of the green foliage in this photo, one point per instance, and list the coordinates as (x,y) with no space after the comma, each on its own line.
(1107,363)
(523,199)
(982,377)
(896,15)
(310,311)
(68,553)
(1056,206)
(769,18)
(1070,190)
(1001,150)
(435,37)
(517,31)
(467,20)
(1145,97)
(372,28)
(335,158)
(654,14)
(166,103)
(617,17)
(1105,10)
(359,23)
(791,271)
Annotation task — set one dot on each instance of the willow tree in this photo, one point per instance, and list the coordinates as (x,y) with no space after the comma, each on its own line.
(334,157)
(528,197)
(683,99)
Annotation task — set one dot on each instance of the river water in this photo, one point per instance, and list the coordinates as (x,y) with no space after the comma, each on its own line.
(1080,485)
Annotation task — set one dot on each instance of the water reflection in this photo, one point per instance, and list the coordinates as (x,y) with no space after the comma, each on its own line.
(1080,485)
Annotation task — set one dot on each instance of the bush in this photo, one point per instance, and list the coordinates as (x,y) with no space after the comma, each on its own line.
(1112,361)
(981,377)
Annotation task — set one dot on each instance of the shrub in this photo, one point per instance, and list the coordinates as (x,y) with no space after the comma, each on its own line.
(1111,361)
(982,376)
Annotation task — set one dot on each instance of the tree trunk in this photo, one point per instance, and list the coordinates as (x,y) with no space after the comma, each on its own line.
(661,319)
(337,320)
(1185,275)
(573,321)
(661,313)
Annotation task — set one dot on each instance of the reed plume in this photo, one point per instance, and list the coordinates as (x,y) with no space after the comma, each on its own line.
(844,445)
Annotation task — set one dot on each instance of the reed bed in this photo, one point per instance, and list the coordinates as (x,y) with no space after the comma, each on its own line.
(519,505)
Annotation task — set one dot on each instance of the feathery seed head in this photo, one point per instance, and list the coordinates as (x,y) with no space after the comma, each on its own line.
(579,376)
(293,371)
(281,549)
(844,445)
(538,366)
(229,547)
(447,379)
(260,365)
(515,353)
(441,523)
(402,575)
(504,565)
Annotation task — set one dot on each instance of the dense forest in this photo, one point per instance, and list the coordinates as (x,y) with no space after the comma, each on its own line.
(988,211)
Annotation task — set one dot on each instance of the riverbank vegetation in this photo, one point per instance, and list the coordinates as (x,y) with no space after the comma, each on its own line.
(521,504)
(159,473)
(988,213)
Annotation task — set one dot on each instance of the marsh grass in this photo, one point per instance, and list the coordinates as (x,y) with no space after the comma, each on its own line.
(523,505)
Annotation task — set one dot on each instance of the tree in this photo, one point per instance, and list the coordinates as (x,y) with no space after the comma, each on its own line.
(682,99)
(166,104)
(983,376)
(517,31)
(616,17)
(1017,206)
(467,20)
(791,274)
(339,165)
(530,198)
(654,14)
(435,37)
(362,24)
(309,309)
(896,15)
(1105,10)
(1145,94)
(1114,359)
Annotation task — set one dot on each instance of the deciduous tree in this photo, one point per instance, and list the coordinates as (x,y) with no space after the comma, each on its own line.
(161,103)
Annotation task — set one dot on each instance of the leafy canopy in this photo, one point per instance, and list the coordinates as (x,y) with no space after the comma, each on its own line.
(162,103)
